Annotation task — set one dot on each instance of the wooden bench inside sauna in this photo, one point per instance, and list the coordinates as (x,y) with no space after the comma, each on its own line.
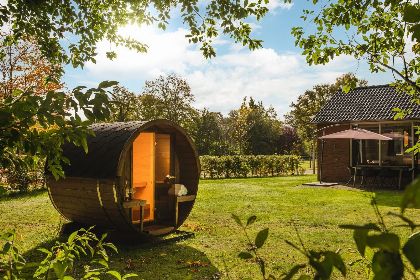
(136,177)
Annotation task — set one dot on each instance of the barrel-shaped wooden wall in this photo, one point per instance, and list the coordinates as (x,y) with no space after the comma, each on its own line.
(94,188)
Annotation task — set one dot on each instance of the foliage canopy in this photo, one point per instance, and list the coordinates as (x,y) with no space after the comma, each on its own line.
(67,31)
(385,33)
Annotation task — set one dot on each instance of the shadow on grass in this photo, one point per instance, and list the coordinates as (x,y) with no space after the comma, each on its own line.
(391,198)
(149,257)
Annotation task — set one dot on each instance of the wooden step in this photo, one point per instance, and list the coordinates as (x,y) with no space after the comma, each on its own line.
(158,229)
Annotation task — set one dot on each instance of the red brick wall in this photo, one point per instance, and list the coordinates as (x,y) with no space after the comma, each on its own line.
(336,155)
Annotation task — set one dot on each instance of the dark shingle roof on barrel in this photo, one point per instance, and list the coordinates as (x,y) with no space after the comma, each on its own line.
(104,150)
(372,103)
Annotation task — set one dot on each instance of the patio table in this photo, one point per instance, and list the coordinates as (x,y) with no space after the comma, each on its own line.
(400,170)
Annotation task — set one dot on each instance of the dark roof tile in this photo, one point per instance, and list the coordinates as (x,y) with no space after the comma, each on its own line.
(366,104)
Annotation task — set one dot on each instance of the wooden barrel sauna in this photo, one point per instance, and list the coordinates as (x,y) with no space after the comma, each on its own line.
(136,177)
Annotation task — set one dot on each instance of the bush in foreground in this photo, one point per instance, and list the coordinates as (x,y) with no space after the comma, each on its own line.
(63,260)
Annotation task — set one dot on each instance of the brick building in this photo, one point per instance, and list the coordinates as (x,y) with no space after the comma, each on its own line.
(369,108)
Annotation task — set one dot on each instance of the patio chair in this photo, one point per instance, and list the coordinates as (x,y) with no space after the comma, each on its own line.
(353,174)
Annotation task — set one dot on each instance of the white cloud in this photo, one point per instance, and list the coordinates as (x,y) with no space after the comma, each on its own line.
(278,4)
(167,52)
(221,83)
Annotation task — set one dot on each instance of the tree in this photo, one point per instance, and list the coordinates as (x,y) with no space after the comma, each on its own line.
(289,142)
(253,129)
(309,104)
(124,105)
(209,134)
(168,97)
(384,33)
(263,131)
(23,67)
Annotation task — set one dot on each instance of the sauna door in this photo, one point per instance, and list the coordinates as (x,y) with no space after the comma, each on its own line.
(143,172)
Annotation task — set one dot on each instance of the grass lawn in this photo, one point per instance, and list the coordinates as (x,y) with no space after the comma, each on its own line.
(277,202)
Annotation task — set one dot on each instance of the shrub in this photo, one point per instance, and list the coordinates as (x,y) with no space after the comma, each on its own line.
(61,259)
(241,166)
(22,178)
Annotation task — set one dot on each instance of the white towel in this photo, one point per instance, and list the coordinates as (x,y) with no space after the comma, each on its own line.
(178,190)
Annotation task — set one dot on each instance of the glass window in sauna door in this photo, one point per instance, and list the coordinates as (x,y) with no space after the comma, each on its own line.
(163,157)
(164,206)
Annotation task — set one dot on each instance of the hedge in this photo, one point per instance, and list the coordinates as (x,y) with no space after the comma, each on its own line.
(249,166)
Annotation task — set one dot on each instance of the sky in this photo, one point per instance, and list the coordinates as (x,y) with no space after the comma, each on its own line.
(276,74)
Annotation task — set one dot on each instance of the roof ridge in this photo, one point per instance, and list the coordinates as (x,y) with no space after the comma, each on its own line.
(373,86)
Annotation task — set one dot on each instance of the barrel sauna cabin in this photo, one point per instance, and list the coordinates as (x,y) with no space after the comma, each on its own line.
(130,177)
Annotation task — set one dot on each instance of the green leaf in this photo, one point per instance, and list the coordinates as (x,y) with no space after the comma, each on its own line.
(59,269)
(102,262)
(412,14)
(251,220)
(387,265)
(245,255)
(411,250)
(43,250)
(83,141)
(411,196)
(114,273)
(237,220)
(72,236)
(261,238)
(111,246)
(107,84)
(129,275)
(111,55)
(386,241)
(6,248)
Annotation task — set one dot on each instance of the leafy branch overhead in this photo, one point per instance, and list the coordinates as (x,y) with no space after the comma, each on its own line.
(386,34)
(33,127)
(68,31)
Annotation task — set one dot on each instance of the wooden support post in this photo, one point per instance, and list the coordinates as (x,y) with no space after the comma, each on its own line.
(176,212)
(180,199)
(141,217)
(136,203)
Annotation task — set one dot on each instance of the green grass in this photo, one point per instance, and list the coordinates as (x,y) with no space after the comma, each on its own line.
(278,202)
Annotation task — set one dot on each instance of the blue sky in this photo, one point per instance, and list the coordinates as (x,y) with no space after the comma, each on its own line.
(276,74)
